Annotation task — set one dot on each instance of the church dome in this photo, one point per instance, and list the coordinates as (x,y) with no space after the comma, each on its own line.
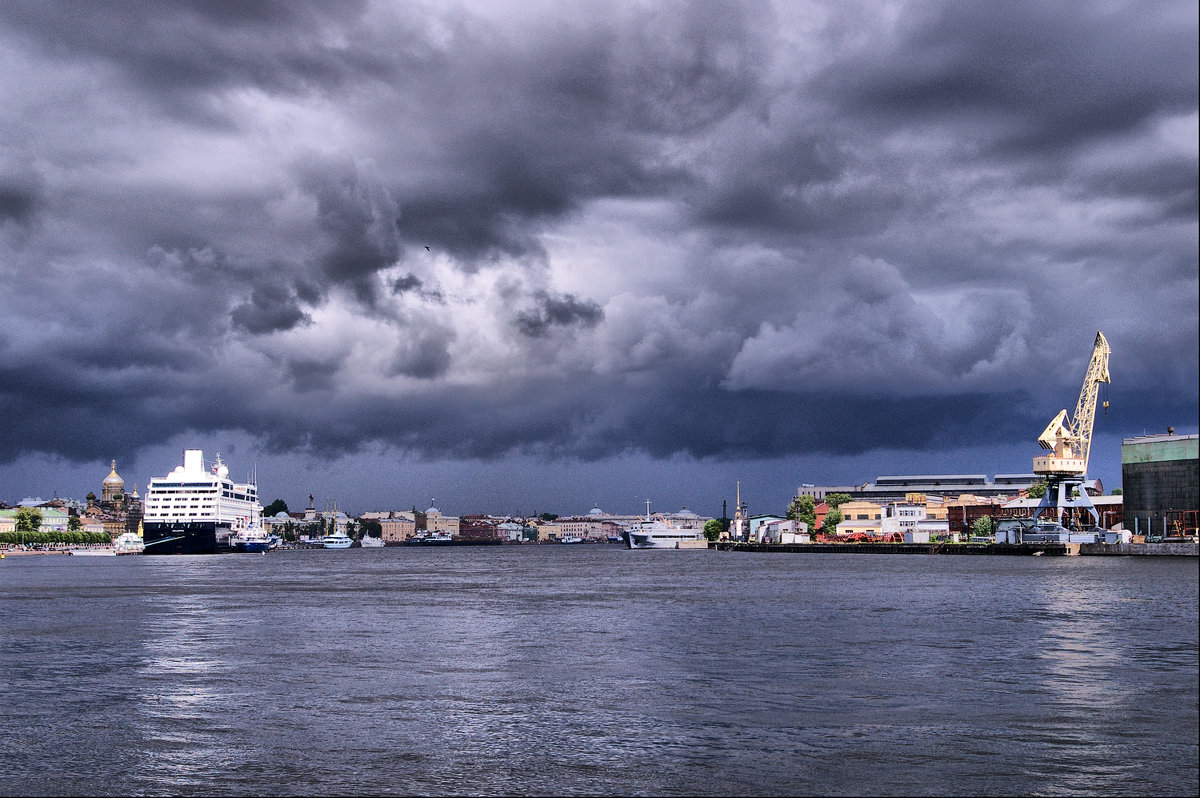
(113,478)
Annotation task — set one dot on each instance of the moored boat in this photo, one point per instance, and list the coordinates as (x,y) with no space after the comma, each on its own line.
(369,542)
(197,510)
(251,541)
(107,551)
(337,540)
(658,534)
(128,543)
(440,538)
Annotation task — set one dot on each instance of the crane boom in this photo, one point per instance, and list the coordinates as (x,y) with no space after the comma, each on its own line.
(1085,408)
(1070,439)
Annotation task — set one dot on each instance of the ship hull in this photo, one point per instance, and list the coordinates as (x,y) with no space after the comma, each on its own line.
(192,537)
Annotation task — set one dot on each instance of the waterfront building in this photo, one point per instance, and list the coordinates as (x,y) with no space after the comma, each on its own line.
(784,531)
(478,527)
(860,510)
(912,520)
(511,531)
(436,522)
(597,524)
(860,516)
(54,519)
(755,524)
(894,488)
(398,527)
(1160,478)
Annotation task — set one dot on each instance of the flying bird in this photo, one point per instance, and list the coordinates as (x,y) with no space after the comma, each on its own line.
(427,249)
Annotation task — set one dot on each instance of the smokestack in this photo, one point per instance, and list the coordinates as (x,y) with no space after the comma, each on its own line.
(1170,430)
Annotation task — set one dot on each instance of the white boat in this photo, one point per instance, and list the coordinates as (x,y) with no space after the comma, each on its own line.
(338,540)
(252,541)
(128,543)
(369,542)
(571,539)
(107,551)
(658,534)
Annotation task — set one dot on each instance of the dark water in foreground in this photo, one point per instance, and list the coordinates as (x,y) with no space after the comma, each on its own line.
(592,670)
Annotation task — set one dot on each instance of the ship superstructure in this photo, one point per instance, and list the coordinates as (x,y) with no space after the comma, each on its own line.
(196,509)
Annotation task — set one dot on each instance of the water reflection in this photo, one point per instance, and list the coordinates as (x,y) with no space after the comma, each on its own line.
(596,670)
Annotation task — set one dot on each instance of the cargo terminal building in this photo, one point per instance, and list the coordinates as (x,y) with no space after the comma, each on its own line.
(885,490)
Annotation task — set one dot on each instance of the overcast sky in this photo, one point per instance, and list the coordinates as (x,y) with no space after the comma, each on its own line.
(532,256)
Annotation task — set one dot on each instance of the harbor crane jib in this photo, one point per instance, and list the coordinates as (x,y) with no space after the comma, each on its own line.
(1068,441)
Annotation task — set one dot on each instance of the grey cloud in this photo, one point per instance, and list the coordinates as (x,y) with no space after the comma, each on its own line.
(781,232)
(271,309)
(423,353)
(179,52)
(18,202)
(557,311)
(1028,76)
(356,216)
(405,283)
(312,374)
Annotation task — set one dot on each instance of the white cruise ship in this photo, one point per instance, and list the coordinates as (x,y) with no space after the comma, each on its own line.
(197,509)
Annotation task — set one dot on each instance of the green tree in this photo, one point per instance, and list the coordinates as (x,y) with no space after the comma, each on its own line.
(712,529)
(371,527)
(983,527)
(1037,490)
(28,519)
(548,517)
(837,499)
(1116,492)
(74,524)
(275,507)
(803,508)
(832,519)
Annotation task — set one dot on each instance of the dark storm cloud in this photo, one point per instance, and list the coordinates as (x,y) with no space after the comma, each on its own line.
(271,308)
(557,311)
(721,230)
(1027,76)
(17,202)
(179,53)
(356,219)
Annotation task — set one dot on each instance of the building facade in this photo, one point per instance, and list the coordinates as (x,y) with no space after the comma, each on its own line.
(1160,480)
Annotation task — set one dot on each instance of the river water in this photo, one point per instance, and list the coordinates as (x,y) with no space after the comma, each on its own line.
(595,670)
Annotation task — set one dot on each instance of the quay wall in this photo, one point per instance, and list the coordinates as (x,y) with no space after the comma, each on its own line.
(1027,549)
(1141,549)
(1053,549)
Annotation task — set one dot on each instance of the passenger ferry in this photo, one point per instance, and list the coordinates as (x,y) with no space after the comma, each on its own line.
(658,534)
(197,509)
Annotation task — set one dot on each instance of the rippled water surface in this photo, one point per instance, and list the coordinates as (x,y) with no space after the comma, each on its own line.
(595,670)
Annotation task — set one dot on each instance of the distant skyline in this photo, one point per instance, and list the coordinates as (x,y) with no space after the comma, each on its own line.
(531,257)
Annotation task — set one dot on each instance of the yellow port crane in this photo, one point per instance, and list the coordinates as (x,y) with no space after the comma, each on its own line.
(1069,442)
(1070,439)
